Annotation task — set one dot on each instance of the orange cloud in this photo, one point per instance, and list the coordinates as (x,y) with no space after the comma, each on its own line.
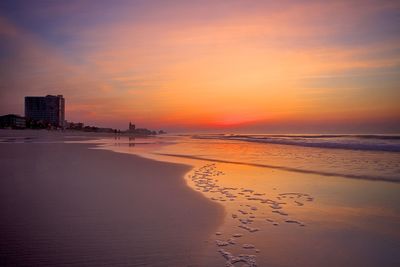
(240,68)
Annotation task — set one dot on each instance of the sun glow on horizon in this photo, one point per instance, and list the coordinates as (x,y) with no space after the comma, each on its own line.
(188,65)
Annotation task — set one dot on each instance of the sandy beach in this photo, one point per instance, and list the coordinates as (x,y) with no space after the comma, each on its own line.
(291,205)
(79,199)
(68,205)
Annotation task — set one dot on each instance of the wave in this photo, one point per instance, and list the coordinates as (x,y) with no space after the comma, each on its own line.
(313,136)
(291,169)
(388,143)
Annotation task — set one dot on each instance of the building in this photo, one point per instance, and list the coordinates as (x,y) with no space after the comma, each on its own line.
(74,126)
(12,121)
(132,127)
(48,109)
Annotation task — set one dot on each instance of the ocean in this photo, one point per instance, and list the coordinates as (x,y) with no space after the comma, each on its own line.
(372,157)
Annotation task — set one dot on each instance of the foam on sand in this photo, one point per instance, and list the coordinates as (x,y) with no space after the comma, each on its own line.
(249,212)
(231,260)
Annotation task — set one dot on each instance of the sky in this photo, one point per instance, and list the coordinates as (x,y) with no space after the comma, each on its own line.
(207,66)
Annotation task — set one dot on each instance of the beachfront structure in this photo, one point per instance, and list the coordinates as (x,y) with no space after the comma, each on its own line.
(49,109)
(12,121)
(132,127)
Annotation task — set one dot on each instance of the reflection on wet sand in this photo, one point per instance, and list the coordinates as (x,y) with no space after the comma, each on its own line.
(276,217)
(251,205)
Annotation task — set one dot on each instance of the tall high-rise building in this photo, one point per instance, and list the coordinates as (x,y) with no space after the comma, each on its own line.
(50,109)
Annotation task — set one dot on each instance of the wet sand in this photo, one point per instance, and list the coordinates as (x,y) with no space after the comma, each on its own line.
(277,217)
(271,221)
(270,217)
(64,204)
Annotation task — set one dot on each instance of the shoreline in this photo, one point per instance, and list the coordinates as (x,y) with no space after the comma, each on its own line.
(288,169)
(140,213)
(138,209)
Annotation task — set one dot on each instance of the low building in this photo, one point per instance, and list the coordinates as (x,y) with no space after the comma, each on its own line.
(139,131)
(75,126)
(105,130)
(12,121)
(132,127)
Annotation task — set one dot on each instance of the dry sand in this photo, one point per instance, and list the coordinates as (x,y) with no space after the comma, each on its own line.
(64,204)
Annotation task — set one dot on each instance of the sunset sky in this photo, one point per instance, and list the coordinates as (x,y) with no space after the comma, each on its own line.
(246,66)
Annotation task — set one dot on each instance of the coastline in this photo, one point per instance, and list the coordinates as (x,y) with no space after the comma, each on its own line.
(258,216)
(68,204)
(274,212)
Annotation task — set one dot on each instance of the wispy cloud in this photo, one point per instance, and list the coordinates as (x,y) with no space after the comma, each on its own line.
(209,63)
